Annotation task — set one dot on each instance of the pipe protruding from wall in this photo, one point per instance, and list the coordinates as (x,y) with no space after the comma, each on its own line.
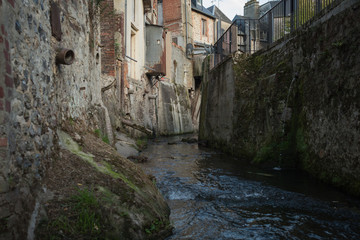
(65,56)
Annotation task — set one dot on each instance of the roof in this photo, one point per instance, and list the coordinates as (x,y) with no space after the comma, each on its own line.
(239,17)
(267,6)
(218,14)
(201,9)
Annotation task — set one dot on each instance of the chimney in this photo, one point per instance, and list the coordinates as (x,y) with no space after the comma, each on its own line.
(251,9)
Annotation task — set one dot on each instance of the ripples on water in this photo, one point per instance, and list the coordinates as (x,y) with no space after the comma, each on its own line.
(213,196)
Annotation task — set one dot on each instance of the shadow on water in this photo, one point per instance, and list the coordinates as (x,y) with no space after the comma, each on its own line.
(215,196)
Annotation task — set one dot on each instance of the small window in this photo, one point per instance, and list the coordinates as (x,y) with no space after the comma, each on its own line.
(203,27)
(198,2)
(175,40)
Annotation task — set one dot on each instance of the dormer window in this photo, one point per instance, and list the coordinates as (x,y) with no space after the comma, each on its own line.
(199,2)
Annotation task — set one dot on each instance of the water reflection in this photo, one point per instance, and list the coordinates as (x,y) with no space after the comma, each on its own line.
(214,196)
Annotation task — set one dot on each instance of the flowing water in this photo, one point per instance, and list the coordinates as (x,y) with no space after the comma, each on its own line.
(215,196)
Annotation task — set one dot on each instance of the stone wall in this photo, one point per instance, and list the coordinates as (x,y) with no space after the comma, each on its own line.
(217,104)
(297,104)
(174,111)
(37,95)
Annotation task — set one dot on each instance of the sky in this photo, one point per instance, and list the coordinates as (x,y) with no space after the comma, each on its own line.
(230,7)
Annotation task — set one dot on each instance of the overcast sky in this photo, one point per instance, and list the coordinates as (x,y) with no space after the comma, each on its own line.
(229,7)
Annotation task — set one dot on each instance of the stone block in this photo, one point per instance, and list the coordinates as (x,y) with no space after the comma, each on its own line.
(3,142)
(12,2)
(7,45)
(3,31)
(8,68)
(9,82)
(4,185)
(7,106)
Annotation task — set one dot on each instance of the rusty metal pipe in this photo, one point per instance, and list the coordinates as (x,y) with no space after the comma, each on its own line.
(65,56)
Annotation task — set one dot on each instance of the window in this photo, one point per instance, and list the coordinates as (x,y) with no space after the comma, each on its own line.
(132,54)
(203,27)
(198,2)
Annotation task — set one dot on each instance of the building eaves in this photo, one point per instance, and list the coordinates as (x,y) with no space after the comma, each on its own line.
(212,9)
(219,14)
(202,10)
(239,17)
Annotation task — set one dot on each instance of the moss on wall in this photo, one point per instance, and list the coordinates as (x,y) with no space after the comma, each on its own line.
(296,105)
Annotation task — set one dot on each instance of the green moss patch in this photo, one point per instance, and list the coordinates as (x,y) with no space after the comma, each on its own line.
(122,199)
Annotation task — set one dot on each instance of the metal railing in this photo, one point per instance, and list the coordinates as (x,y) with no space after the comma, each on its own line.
(251,35)
(288,15)
(240,36)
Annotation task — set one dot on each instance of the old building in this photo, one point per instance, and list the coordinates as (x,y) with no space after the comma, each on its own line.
(254,25)
(204,36)
(176,87)
(222,21)
(204,28)
(138,61)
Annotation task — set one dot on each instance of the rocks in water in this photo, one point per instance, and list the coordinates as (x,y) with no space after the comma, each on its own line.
(125,145)
(203,143)
(138,159)
(189,140)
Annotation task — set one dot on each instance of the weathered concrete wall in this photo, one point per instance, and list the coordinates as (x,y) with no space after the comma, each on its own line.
(297,104)
(174,114)
(218,105)
(37,95)
(139,105)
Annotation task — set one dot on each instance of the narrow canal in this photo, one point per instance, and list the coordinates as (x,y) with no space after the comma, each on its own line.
(215,196)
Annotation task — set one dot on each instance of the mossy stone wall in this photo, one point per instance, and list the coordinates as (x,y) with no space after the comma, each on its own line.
(297,103)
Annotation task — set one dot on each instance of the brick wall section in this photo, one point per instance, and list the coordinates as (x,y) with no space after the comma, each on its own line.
(172,15)
(110,22)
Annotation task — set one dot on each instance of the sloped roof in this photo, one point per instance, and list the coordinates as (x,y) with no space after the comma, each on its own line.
(201,9)
(218,14)
(239,17)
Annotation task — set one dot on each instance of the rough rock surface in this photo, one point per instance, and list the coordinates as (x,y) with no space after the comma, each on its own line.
(129,204)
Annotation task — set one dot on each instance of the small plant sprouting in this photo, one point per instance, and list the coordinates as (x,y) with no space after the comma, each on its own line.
(85,204)
(80,217)
(97,132)
(141,143)
(155,226)
(103,137)
(338,44)
(71,121)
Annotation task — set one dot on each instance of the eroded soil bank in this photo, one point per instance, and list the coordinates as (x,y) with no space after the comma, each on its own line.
(91,192)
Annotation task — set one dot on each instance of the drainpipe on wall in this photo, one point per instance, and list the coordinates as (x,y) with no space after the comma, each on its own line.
(123,63)
(125,32)
(186,23)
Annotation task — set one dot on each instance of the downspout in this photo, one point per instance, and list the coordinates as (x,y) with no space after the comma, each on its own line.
(186,23)
(122,104)
(125,25)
